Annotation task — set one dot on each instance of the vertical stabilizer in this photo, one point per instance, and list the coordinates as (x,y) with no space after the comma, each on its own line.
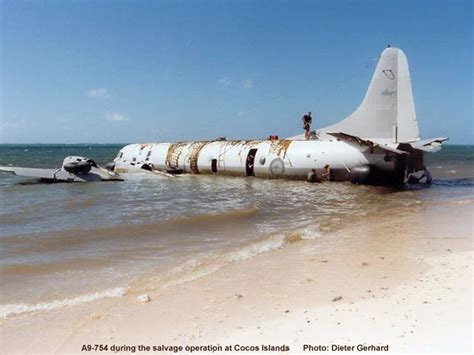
(387,111)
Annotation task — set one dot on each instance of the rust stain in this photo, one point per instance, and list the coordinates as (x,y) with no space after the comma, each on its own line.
(144,145)
(279,146)
(173,154)
(195,148)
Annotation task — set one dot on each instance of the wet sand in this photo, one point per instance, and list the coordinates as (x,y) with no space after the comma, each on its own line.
(378,282)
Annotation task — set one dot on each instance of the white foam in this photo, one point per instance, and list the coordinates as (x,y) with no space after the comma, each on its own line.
(194,274)
(20,308)
(197,268)
(310,232)
(274,242)
(257,249)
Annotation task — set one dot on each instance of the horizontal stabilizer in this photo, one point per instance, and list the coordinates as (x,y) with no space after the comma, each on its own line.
(366,143)
(431,145)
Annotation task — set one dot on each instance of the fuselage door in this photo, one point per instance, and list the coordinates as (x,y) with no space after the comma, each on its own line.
(250,163)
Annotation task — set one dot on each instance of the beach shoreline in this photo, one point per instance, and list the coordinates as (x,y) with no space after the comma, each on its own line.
(375,283)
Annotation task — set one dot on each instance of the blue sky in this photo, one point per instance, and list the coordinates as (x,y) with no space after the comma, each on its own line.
(128,71)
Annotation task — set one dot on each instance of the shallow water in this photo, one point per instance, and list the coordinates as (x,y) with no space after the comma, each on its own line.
(63,244)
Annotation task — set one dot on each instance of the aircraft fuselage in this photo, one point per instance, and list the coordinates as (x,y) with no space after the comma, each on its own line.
(289,159)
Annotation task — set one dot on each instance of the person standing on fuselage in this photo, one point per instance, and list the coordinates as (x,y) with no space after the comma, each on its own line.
(307,119)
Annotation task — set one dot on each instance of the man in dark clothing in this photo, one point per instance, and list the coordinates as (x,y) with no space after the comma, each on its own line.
(312,176)
(307,119)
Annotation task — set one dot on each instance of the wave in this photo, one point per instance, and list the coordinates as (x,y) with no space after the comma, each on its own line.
(206,265)
(272,243)
(20,308)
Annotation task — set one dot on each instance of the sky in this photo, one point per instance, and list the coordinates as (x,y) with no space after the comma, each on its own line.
(143,71)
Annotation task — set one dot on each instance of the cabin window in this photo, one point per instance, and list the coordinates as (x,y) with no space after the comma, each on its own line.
(214,166)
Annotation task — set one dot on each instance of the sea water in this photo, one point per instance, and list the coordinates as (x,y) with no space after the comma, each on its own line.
(66,244)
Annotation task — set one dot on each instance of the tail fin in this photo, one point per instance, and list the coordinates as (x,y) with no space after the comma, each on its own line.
(387,111)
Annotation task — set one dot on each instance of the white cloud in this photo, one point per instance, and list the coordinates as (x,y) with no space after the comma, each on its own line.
(100,93)
(247,83)
(225,81)
(115,117)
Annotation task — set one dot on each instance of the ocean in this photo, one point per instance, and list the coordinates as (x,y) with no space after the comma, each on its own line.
(66,244)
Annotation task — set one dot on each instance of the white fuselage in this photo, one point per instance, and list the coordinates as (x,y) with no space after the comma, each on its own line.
(291,159)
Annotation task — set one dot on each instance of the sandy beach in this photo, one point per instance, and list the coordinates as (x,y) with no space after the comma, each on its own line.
(376,283)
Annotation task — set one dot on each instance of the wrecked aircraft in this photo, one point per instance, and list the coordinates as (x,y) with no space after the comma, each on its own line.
(379,143)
